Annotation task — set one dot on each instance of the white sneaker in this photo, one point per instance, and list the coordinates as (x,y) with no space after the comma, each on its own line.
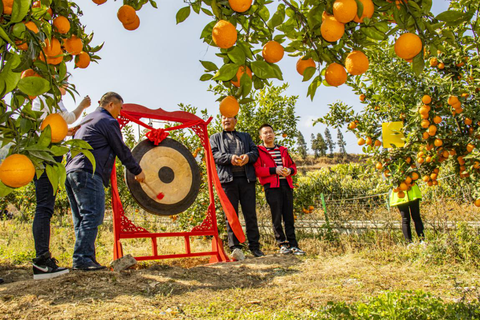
(296,251)
(284,249)
(238,255)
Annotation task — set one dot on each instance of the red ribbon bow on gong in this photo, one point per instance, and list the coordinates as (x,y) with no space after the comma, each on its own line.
(157,135)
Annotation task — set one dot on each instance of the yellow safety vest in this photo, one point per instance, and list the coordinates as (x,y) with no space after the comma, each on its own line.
(413,194)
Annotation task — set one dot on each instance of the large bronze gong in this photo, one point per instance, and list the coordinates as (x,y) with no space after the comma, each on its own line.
(172,177)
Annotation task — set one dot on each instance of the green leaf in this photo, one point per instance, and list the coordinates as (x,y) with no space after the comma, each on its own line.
(62,175)
(277,71)
(418,63)
(450,16)
(52,176)
(207,12)
(34,86)
(77,143)
(183,14)
(4,190)
(262,69)
(312,88)
(206,77)
(226,72)
(20,9)
(207,31)
(237,55)
(264,13)
(373,33)
(8,76)
(90,157)
(359,9)
(216,10)
(277,18)
(58,150)
(246,84)
(209,66)
(308,73)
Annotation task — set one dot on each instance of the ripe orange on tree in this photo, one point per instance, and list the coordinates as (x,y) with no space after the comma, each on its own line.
(31,26)
(368,141)
(453,100)
(352,125)
(82,60)
(240,5)
(344,10)
(29,73)
(361,141)
(58,126)
(368,9)
(331,29)
(441,66)
(21,45)
(229,107)
(16,171)
(126,14)
(99,2)
(335,75)
(433,62)
(362,97)
(304,64)
(470,147)
(408,45)
(238,76)
(73,45)
(52,47)
(7,6)
(437,119)
(356,63)
(426,99)
(224,34)
(438,142)
(477,203)
(273,52)
(62,24)
(133,25)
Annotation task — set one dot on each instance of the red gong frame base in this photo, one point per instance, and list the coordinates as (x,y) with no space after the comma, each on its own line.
(123,228)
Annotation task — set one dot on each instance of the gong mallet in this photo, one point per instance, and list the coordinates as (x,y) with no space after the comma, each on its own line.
(160,195)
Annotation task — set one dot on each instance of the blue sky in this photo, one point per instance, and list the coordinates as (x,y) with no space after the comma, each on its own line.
(158,65)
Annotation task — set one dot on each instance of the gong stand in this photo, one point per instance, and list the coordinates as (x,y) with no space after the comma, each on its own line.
(123,228)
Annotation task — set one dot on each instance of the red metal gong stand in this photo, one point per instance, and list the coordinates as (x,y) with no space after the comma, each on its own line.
(123,228)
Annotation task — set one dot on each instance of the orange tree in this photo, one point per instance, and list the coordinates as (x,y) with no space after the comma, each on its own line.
(38,42)
(439,107)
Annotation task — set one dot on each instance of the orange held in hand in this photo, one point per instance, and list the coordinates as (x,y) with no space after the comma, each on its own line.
(58,126)
(229,107)
(16,171)
(224,34)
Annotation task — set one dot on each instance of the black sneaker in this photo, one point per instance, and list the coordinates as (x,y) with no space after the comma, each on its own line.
(45,267)
(94,266)
(257,253)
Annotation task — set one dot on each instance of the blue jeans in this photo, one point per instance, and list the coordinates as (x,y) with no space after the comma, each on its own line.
(87,199)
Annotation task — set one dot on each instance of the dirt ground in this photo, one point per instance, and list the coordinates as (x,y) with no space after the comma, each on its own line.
(217,291)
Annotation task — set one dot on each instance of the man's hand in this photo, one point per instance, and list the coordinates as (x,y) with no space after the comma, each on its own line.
(244,159)
(71,131)
(140,177)
(236,160)
(85,103)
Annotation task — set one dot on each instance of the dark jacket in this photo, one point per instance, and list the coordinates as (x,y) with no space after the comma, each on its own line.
(223,157)
(265,167)
(102,132)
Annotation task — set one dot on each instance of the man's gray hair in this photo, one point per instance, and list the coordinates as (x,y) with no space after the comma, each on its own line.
(109,97)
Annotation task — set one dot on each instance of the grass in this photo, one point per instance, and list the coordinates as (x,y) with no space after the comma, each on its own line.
(366,275)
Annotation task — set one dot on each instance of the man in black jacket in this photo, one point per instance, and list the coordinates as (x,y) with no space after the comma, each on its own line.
(235,153)
(85,186)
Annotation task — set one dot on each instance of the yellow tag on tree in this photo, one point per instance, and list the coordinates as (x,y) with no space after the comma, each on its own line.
(392,134)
